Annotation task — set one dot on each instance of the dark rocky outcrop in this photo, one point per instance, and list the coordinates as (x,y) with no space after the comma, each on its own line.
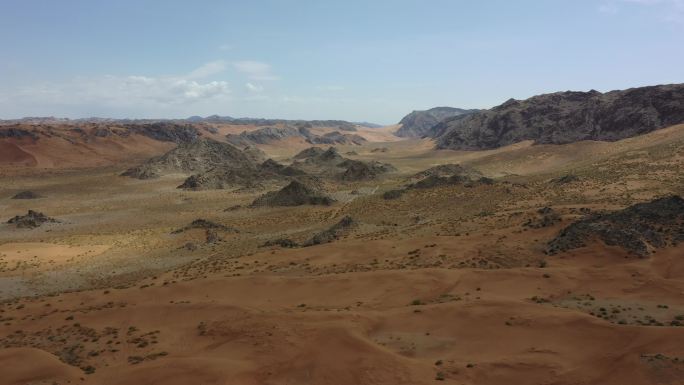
(245,178)
(329,163)
(31,220)
(211,230)
(332,233)
(565,179)
(447,175)
(205,225)
(27,195)
(225,178)
(271,166)
(266,135)
(165,131)
(309,153)
(418,124)
(393,194)
(294,194)
(566,117)
(545,217)
(433,181)
(198,156)
(356,170)
(17,133)
(282,242)
(441,176)
(448,170)
(336,137)
(638,229)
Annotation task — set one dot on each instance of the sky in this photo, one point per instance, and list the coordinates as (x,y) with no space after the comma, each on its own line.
(366,60)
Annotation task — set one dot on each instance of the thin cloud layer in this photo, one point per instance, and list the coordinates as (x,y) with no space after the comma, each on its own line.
(208,69)
(669,10)
(124,91)
(255,70)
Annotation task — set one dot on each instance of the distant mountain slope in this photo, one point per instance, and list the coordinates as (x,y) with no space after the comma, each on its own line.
(81,144)
(566,117)
(419,123)
(267,135)
(342,125)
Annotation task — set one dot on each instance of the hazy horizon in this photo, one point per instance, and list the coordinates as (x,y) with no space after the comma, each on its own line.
(287,60)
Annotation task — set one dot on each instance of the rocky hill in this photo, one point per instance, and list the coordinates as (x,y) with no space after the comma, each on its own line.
(296,193)
(639,229)
(336,137)
(329,163)
(418,124)
(267,135)
(566,117)
(252,177)
(198,156)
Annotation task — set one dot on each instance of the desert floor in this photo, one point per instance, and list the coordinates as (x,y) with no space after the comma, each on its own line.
(443,284)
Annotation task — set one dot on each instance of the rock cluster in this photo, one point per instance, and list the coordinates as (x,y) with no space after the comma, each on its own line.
(31,220)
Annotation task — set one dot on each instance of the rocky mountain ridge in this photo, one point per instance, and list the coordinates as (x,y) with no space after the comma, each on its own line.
(565,117)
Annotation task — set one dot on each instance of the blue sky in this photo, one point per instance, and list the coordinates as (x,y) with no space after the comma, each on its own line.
(354,60)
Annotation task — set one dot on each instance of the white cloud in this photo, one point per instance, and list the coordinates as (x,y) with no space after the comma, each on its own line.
(202,90)
(225,47)
(134,91)
(255,70)
(208,69)
(254,87)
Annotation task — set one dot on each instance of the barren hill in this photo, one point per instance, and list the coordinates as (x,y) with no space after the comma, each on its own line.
(418,124)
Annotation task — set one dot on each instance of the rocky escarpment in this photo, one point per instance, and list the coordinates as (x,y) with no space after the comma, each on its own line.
(198,156)
(418,124)
(639,229)
(566,117)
